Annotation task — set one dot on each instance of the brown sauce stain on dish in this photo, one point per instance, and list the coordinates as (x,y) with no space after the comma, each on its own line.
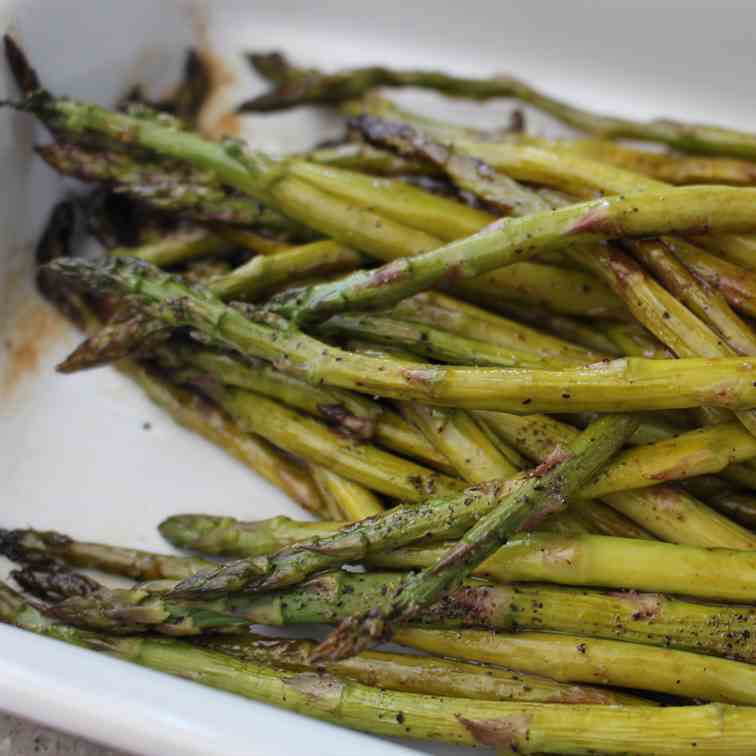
(34,330)
(216,120)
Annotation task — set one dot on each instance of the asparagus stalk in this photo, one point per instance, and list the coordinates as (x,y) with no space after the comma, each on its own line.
(296,86)
(737,285)
(627,385)
(705,450)
(263,273)
(708,304)
(582,177)
(577,658)
(667,512)
(444,219)
(163,185)
(178,248)
(646,618)
(193,412)
(531,727)
(227,536)
(562,326)
(416,674)
(633,340)
(306,437)
(669,167)
(43,546)
(463,319)
(477,454)
(124,335)
(540,161)
(563,290)
(571,292)
(564,560)
(433,343)
(352,414)
(548,490)
(346,499)
(467,173)
(360,157)
(457,436)
(136,611)
(601,519)
(711,308)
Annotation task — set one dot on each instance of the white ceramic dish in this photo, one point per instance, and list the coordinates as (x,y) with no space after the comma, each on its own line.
(73,451)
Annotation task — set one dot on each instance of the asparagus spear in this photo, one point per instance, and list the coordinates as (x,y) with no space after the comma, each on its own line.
(565,291)
(433,343)
(737,285)
(178,248)
(570,658)
(670,167)
(599,561)
(705,450)
(346,499)
(605,561)
(562,326)
(461,440)
(650,619)
(628,384)
(352,413)
(297,86)
(160,184)
(39,546)
(463,319)
(572,292)
(548,490)
(669,513)
(304,436)
(646,618)
(633,340)
(416,674)
(531,727)
(479,455)
(263,273)
(357,156)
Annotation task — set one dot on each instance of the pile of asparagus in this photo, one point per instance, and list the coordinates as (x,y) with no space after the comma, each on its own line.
(512,378)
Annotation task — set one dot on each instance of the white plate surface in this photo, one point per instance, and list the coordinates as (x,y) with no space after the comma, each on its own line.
(74,454)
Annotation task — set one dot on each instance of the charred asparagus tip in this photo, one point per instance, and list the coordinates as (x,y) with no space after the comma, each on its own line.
(24,75)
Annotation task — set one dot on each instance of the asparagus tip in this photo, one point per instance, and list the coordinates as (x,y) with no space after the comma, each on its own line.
(352,636)
(53,581)
(29,546)
(289,89)
(230,576)
(24,75)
